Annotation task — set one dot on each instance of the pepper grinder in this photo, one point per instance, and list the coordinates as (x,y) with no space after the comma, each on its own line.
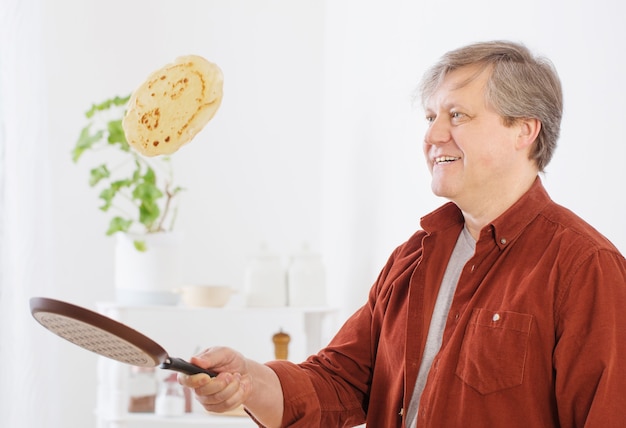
(281,345)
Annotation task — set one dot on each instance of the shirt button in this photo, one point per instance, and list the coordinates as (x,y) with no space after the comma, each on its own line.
(503,241)
(495,317)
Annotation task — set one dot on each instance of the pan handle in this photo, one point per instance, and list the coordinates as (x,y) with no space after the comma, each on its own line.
(180,365)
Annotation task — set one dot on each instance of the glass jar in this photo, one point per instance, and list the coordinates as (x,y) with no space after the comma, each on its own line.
(170,400)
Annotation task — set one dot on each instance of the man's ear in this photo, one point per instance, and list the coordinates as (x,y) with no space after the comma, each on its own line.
(529,129)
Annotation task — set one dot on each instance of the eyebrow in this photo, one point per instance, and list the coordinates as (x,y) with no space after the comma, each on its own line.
(449,105)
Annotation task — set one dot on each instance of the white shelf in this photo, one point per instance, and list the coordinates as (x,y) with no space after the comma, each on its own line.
(184,331)
(147,420)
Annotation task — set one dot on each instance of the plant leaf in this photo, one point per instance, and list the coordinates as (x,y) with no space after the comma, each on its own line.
(117,185)
(118,224)
(105,105)
(140,246)
(97,174)
(107,196)
(150,176)
(117,135)
(85,141)
(177,190)
(147,191)
(109,193)
(149,212)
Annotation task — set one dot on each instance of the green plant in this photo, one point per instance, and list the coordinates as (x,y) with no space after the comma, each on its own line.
(138,189)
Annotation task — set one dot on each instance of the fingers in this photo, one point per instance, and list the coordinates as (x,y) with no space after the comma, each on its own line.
(219,359)
(193,381)
(225,391)
(208,359)
(219,394)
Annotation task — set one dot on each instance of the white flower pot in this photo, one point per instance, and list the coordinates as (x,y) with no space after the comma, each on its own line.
(150,277)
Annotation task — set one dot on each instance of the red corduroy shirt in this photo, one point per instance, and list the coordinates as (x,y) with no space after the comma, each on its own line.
(535,336)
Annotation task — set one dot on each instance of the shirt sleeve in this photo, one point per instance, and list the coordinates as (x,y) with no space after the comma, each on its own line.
(591,344)
(332,388)
(329,388)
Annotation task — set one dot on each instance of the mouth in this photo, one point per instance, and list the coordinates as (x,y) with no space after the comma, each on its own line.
(440,160)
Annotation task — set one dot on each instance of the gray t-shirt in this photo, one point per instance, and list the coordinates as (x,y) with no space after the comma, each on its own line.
(463,251)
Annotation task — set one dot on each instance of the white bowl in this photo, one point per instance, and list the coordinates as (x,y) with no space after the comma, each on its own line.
(214,296)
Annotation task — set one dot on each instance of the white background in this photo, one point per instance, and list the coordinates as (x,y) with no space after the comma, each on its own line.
(317,139)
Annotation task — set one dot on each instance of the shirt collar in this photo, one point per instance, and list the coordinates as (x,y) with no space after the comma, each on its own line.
(505,228)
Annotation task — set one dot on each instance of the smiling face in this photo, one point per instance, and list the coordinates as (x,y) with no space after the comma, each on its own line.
(475,160)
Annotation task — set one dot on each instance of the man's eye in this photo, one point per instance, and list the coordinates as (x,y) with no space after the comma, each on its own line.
(430,119)
(456,115)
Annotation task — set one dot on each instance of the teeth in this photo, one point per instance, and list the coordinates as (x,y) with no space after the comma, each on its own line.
(442,159)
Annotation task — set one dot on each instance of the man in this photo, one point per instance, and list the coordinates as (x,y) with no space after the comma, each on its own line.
(506,310)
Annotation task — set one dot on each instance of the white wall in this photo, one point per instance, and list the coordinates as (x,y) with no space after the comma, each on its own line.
(316,139)
(251,175)
(376,53)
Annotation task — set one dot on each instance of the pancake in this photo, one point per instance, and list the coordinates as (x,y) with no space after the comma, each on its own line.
(173,105)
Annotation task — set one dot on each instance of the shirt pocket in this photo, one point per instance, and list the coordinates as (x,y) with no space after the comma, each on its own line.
(493,352)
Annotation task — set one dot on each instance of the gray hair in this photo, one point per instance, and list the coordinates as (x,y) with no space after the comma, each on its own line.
(521,85)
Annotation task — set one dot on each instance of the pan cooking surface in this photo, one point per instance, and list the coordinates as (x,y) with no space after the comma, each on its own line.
(105,336)
(95,339)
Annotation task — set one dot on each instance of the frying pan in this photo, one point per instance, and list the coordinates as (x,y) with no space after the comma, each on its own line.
(105,336)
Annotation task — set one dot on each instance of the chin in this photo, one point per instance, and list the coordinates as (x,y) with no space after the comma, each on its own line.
(444,192)
(440,190)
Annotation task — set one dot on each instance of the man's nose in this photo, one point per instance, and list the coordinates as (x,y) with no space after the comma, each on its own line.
(438,132)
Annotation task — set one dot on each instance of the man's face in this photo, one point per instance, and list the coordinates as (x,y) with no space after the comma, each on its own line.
(470,153)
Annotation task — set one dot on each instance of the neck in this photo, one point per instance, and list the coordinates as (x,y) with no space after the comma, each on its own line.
(480,213)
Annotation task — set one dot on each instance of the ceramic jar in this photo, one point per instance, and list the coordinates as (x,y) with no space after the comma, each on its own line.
(265,281)
(306,279)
